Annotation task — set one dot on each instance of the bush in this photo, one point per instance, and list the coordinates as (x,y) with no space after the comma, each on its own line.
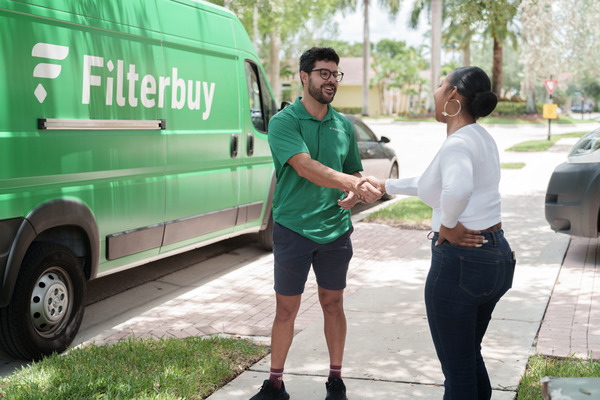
(513,108)
(349,110)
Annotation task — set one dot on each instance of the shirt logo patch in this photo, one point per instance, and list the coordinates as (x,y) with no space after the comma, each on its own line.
(337,129)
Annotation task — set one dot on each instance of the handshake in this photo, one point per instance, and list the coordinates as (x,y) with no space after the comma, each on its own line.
(366,190)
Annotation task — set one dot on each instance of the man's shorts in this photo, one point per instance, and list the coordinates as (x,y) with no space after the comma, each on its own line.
(294,254)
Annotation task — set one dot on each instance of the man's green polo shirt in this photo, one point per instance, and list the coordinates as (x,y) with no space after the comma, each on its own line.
(298,204)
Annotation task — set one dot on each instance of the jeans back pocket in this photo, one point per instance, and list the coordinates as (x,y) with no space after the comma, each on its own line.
(479,276)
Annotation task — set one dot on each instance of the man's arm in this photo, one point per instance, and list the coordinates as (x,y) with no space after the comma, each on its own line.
(324,176)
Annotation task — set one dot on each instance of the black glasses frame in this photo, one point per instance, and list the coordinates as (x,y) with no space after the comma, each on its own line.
(325,74)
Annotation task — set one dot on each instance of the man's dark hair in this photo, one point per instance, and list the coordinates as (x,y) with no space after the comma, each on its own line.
(310,57)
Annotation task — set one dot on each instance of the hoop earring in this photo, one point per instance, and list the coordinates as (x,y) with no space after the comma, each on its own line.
(445,114)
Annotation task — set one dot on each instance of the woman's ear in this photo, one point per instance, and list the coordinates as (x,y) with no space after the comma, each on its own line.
(453,93)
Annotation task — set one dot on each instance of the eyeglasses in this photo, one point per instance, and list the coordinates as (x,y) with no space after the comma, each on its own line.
(325,74)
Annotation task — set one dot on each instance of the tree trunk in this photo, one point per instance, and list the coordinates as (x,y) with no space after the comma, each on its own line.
(530,107)
(274,67)
(497,68)
(366,63)
(436,47)
(255,27)
(466,50)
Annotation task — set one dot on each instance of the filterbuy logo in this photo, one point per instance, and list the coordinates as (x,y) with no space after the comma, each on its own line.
(47,70)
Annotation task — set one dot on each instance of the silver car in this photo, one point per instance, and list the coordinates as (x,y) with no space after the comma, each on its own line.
(377,158)
(573,195)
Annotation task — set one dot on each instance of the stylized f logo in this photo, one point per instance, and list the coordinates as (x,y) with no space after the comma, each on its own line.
(45,70)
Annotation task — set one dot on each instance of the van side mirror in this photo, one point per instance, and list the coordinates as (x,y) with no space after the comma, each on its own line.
(284,104)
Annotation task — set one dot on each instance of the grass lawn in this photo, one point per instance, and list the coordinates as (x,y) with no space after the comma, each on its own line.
(512,165)
(540,366)
(542,144)
(409,213)
(142,369)
(526,119)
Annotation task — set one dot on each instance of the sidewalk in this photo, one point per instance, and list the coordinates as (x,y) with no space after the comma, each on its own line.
(389,352)
(389,349)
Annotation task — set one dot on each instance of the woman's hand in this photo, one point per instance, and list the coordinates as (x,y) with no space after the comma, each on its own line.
(461,236)
(377,183)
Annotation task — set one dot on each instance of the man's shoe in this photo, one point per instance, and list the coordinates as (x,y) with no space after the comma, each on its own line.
(269,392)
(336,390)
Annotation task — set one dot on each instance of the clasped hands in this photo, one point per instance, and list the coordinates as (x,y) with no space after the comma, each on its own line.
(366,190)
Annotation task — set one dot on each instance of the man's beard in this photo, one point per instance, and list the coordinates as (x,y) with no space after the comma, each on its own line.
(317,92)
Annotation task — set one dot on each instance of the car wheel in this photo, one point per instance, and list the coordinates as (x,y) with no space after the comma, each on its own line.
(265,236)
(47,304)
(394,174)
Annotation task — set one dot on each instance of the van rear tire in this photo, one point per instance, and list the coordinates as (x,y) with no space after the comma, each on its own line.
(47,305)
(265,236)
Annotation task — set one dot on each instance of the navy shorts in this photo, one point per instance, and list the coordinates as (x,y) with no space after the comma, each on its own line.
(294,254)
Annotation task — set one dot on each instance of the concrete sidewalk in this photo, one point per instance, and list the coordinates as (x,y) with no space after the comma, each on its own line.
(389,352)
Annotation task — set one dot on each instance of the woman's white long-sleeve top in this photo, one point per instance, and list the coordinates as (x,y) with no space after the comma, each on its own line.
(461,183)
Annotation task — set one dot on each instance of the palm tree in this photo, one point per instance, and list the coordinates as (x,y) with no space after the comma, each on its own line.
(393,7)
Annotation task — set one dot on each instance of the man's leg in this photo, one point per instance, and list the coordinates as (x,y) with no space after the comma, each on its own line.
(332,303)
(283,328)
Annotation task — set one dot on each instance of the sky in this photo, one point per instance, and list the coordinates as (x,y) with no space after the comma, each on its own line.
(380,25)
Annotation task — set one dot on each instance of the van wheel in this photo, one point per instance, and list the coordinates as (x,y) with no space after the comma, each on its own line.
(393,175)
(47,304)
(265,236)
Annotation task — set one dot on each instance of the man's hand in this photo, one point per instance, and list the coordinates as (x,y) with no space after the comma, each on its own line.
(366,191)
(350,201)
(460,236)
(376,183)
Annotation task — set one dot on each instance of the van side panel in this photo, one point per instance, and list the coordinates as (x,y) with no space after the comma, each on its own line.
(68,66)
(206,145)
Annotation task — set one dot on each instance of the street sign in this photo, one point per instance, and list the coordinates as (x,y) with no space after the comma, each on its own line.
(549,111)
(550,85)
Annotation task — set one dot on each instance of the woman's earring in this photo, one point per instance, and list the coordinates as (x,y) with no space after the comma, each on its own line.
(445,114)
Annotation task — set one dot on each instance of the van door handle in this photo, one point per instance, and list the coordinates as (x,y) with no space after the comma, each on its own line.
(234,145)
(250,145)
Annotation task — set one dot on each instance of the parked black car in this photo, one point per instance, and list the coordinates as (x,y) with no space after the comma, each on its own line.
(573,194)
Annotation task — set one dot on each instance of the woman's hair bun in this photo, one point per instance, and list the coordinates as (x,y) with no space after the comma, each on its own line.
(483,103)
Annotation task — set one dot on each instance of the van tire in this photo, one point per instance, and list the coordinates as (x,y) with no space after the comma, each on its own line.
(265,236)
(47,304)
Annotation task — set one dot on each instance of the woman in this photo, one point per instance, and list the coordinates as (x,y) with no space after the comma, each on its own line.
(472,264)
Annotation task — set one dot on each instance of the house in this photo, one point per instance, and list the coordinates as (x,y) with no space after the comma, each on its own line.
(348,99)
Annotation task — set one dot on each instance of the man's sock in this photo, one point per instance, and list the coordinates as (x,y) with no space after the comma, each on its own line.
(276,376)
(335,371)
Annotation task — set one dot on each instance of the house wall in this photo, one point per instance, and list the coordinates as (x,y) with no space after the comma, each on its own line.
(351,96)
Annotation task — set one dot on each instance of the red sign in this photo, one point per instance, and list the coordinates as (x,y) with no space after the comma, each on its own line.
(550,85)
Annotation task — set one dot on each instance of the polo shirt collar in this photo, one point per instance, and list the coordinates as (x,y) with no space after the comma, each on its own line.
(301,112)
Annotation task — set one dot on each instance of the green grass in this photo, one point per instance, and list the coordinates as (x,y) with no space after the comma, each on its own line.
(409,213)
(512,165)
(166,369)
(540,366)
(543,144)
(534,119)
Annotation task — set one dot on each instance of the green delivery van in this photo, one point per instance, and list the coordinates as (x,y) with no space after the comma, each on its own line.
(130,130)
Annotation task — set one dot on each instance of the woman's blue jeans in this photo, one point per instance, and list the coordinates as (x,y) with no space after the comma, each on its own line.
(463,286)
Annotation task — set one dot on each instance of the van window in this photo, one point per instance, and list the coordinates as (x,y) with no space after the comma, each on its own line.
(262,105)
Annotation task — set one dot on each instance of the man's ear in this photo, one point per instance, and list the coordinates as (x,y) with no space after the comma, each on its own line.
(303,76)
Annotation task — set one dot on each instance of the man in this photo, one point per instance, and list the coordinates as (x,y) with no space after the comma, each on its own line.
(316,160)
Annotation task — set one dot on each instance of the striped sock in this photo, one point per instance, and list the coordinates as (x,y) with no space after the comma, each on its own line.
(276,376)
(335,371)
